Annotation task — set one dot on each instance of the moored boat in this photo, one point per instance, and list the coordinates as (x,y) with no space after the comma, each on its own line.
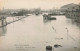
(53,18)
(49,17)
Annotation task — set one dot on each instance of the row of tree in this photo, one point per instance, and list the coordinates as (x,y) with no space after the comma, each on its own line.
(20,12)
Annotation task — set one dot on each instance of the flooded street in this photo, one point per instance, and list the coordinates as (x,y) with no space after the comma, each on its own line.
(34,33)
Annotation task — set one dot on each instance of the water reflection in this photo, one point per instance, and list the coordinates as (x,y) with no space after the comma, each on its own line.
(46,21)
(3,30)
(3,24)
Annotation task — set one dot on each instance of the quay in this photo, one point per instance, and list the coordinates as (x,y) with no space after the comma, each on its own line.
(3,21)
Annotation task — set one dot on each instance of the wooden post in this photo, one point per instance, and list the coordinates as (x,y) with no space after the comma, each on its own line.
(67,33)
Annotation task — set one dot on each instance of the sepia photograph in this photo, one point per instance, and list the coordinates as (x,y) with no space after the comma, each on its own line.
(39,25)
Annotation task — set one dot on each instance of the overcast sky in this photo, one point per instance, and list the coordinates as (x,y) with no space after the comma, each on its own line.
(43,4)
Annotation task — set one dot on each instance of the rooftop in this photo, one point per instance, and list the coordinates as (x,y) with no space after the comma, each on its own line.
(69,5)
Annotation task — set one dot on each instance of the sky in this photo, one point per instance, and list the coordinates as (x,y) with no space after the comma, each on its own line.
(28,4)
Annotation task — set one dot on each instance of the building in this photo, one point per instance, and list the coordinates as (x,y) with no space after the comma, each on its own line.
(70,7)
(71,11)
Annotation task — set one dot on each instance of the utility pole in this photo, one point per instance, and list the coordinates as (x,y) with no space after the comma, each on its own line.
(67,33)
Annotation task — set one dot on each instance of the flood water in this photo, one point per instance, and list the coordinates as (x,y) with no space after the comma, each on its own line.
(34,33)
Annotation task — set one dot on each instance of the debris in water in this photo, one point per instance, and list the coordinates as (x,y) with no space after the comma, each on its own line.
(53,28)
(59,38)
(75,47)
(56,46)
(48,47)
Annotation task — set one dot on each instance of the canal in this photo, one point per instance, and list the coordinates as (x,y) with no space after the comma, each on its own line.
(35,33)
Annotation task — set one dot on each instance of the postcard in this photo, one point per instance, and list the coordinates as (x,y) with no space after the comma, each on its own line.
(39,25)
